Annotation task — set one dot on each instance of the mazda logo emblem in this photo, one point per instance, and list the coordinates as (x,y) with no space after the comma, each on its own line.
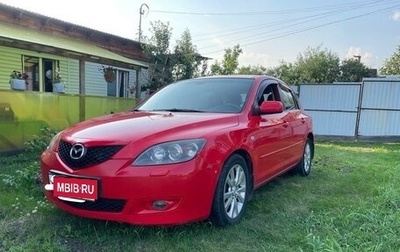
(77,151)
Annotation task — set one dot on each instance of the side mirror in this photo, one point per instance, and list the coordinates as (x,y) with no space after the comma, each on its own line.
(271,107)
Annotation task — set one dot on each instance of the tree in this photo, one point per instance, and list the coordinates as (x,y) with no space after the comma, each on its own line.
(230,62)
(156,48)
(317,66)
(391,66)
(353,70)
(252,70)
(285,71)
(187,58)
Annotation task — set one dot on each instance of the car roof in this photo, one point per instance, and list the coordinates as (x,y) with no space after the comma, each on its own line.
(255,77)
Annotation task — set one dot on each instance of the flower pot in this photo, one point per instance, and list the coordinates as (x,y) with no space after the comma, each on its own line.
(58,87)
(18,84)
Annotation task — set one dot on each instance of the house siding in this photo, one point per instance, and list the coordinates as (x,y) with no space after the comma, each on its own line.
(11,59)
(72,75)
(94,80)
(97,86)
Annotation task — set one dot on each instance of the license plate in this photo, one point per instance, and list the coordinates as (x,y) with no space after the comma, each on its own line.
(75,188)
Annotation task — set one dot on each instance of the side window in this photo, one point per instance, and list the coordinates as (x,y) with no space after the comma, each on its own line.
(269,94)
(287,99)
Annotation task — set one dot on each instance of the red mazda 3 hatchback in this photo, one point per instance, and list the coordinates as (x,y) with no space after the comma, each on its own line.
(195,150)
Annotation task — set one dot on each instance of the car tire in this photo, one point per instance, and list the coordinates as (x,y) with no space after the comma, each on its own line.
(304,166)
(232,192)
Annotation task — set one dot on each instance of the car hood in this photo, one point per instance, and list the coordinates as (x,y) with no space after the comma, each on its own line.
(133,126)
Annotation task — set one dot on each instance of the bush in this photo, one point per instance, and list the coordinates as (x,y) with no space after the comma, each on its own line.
(28,175)
(39,143)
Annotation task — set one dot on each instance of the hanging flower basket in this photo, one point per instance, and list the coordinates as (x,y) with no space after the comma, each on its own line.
(109,73)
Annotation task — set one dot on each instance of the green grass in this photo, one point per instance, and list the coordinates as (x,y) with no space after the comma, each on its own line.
(350,202)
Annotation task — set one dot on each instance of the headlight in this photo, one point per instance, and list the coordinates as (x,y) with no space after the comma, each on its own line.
(53,140)
(170,152)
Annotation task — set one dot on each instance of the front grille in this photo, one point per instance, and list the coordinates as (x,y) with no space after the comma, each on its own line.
(102,205)
(94,155)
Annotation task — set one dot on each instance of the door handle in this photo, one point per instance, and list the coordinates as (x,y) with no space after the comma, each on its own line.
(285,124)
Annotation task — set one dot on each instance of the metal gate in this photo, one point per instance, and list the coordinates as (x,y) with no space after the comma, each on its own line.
(367,109)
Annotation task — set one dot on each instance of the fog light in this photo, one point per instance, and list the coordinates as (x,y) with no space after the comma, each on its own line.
(160,204)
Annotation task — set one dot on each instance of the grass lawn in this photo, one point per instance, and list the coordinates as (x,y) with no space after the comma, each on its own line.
(350,202)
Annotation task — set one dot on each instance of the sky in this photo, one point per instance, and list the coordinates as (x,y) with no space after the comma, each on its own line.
(268,31)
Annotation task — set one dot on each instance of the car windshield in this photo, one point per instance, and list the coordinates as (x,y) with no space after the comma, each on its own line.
(216,95)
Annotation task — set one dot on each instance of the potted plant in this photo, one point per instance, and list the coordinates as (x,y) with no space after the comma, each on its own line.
(109,73)
(58,84)
(18,80)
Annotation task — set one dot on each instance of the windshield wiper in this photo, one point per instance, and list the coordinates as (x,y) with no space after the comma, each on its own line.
(178,110)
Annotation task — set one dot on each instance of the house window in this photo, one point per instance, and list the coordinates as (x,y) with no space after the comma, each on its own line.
(119,87)
(49,69)
(31,67)
(40,72)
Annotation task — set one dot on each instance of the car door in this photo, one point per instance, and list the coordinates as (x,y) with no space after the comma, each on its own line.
(270,135)
(297,125)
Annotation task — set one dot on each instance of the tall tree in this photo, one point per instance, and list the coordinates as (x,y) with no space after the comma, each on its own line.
(258,69)
(230,62)
(317,66)
(353,70)
(391,66)
(286,72)
(187,58)
(156,48)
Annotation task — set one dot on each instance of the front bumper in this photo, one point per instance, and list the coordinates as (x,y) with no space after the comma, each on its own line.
(130,194)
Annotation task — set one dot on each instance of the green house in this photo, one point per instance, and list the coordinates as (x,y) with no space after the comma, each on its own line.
(69,74)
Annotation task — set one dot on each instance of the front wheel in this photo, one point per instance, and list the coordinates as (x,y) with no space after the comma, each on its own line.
(304,166)
(231,194)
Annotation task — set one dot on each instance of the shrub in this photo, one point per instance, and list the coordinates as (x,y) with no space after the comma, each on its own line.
(39,143)
(28,175)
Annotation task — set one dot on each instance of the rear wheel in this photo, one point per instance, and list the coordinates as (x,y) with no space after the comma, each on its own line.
(304,166)
(231,194)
